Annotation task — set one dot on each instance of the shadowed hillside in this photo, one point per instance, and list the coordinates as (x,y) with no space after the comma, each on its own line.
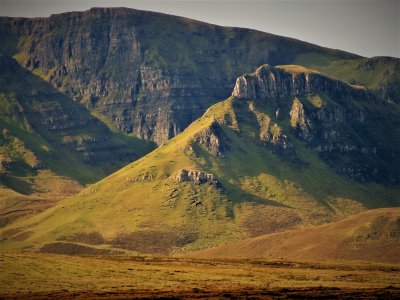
(50,146)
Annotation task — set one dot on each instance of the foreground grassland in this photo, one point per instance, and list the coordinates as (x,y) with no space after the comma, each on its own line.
(34,275)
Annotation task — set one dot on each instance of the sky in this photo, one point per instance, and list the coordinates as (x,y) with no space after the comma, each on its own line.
(368,28)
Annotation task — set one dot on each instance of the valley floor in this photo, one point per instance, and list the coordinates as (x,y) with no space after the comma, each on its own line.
(45,276)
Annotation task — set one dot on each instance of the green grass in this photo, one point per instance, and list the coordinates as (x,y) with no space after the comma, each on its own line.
(384,72)
(307,189)
(257,181)
(296,69)
(38,147)
(45,132)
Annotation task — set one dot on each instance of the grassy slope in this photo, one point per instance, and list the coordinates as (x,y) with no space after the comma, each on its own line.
(371,236)
(53,127)
(27,195)
(24,189)
(143,208)
(40,165)
(374,73)
(144,203)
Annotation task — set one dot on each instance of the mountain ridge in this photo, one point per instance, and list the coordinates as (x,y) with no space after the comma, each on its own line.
(236,172)
(161,91)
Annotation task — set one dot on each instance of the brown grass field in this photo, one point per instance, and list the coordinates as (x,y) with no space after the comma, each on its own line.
(373,236)
(49,276)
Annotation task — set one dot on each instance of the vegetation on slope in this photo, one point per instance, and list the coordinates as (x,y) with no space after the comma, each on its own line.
(48,141)
(380,74)
(370,236)
(262,178)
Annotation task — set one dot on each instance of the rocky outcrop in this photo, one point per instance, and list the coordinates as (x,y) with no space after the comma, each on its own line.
(299,121)
(153,81)
(213,140)
(55,117)
(345,125)
(150,74)
(271,134)
(277,82)
(199,177)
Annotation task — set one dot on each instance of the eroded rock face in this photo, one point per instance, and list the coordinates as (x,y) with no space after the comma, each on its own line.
(343,124)
(299,121)
(199,177)
(271,82)
(346,137)
(213,140)
(43,115)
(271,134)
(150,74)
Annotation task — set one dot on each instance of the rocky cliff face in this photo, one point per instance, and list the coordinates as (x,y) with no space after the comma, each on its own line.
(199,177)
(213,140)
(352,129)
(150,74)
(42,128)
(273,82)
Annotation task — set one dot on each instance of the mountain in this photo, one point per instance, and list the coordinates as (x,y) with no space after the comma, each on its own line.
(73,85)
(373,235)
(290,148)
(152,74)
(50,146)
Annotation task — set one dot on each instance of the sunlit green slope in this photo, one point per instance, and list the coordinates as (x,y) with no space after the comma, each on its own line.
(240,170)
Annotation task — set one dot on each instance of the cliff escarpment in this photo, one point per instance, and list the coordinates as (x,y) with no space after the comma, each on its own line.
(351,128)
(42,129)
(149,74)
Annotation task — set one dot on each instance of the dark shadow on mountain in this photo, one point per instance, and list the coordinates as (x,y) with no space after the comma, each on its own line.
(83,147)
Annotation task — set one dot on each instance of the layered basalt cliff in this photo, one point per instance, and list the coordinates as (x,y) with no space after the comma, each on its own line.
(150,74)
(213,140)
(42,128)
(351,128)
(283,81)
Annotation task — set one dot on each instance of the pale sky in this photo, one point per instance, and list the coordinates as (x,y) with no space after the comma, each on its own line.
(368,28)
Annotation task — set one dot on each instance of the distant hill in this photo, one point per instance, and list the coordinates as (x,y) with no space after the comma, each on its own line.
(373,235)
(290,148)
